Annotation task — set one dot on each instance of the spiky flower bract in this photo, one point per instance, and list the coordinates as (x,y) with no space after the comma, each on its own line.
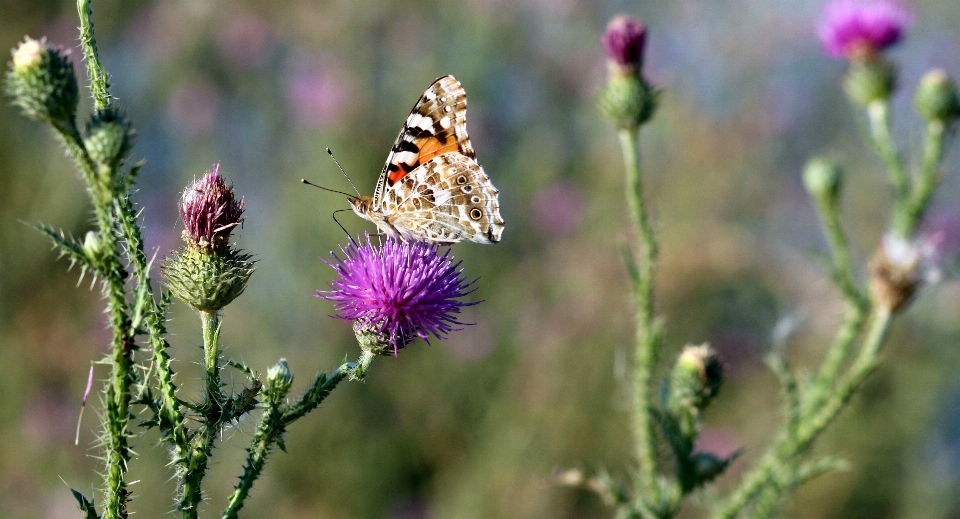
(858,29)
(399,290)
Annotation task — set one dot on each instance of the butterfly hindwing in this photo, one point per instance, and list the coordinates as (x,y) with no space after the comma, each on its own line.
(446,200)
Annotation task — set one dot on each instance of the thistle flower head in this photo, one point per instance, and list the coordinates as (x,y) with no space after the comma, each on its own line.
(208,273)
(210,211)
(624,40)
(859,29)
(398,291)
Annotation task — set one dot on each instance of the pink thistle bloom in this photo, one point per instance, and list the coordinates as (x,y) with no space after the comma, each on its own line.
(210,210)
(402,289)
(858,29)
(624,41)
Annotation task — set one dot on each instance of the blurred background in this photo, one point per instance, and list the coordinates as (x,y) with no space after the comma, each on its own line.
(472,427)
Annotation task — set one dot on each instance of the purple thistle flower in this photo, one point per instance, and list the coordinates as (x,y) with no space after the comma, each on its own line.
(858,29)
(210,211)
(402,290)
(624,40)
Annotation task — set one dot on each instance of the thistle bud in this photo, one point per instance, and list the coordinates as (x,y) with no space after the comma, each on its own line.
(279,378)
(92,246)
(936,98)
(696,377)
(208,274)
(823,179)
(627,98)
(42,83)
(109,138)
(870,80)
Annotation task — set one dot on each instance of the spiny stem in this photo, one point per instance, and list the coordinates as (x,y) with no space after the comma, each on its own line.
(99,80)
(273,424)
(878,114)
(647,335)
(929,176)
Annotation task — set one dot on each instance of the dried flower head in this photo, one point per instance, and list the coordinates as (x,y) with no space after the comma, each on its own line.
(900,267)
(858,29)
(624,40)
(400,290)
(210,211)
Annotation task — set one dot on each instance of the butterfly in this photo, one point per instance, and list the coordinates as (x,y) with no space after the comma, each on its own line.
(431,188)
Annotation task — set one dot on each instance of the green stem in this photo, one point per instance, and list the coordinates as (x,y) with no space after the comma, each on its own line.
(929,176)
(813,422)
(99,80)
(878,113)
(273,424)
(647,334)
(201,445)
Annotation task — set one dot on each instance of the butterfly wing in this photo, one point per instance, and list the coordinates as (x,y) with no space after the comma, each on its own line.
(436,125)
(446,200)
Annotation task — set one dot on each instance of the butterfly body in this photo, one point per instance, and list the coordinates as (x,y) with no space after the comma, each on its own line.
(431,187)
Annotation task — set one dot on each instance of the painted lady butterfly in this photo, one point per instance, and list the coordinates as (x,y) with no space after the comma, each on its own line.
(431,188)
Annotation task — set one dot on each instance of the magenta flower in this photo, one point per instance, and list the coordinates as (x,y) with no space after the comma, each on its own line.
(402,290)
(624,40)
(210,211)
(858,29)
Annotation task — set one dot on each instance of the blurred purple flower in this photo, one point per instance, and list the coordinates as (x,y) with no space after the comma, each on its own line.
(624,40)
(210,210)
(857,29)
(245,41)
(317,93)
(406,289)
(558,209)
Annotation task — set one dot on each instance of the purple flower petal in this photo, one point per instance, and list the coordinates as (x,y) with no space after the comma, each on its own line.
(210,210)
(624,40)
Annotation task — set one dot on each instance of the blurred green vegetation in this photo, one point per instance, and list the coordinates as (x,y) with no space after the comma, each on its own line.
(472,427)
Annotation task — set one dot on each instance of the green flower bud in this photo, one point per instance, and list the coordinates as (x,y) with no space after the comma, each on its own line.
(42,83)
(207,280)
(823,179)
(627,99)
(872,80)
(92,247)
(936,97)
(279,378)
(696,377)
(109,137)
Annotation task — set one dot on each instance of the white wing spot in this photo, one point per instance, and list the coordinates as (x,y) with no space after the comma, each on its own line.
(406,157)
(447,108)
(419,121)
(445,122)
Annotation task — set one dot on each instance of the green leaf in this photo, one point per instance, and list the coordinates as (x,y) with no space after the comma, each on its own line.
(86,505)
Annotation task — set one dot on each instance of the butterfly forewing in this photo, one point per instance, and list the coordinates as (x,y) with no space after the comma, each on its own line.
(432,188)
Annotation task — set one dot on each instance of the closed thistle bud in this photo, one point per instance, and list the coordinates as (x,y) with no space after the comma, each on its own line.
(208,274)
(42,83)
(696,377)
(936,98)
(823,179)
(627,98)
(279,378)
(92,247)
(109,137)
(870,80)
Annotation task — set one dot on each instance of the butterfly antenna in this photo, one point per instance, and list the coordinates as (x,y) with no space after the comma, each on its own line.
(330,152)
(307,182)
(342,227)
